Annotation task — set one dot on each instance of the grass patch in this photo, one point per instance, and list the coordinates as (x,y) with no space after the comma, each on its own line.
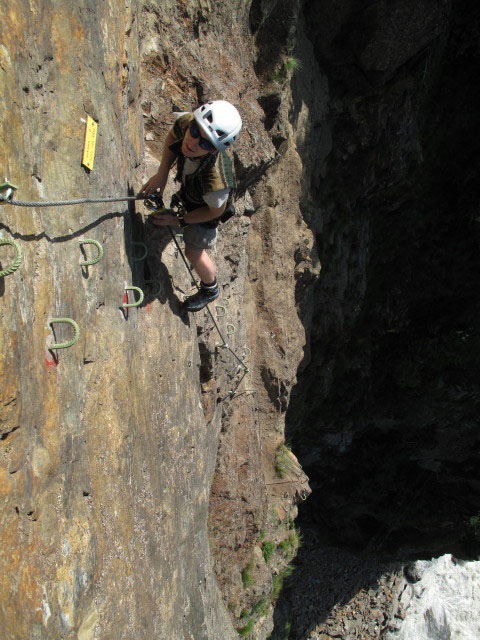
(292,64)
(288,67)
(279,579)
(262,608)
(247,577)
(290,545)
(283,461)
(267,550)
(245,631)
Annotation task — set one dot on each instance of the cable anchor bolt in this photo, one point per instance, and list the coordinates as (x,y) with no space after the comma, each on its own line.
(6,191)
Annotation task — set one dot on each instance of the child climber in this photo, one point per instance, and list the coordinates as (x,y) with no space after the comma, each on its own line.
(197,142)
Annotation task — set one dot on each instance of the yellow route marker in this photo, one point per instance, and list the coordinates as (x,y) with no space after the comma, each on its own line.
(90,142)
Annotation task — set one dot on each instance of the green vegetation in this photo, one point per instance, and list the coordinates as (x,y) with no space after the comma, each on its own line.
(291,64)
(290,545)
(474,523)
(287,630)
(287,68)
(283,461)
(267,549)
(245,631)
(262,608)
(279,579)
(247,577)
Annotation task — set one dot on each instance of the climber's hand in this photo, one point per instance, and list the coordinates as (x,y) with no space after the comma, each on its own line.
(156,184)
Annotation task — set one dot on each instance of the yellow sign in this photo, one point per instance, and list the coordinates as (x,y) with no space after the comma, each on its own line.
(90,142)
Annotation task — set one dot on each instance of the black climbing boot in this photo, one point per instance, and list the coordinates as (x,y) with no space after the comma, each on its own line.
(201,298)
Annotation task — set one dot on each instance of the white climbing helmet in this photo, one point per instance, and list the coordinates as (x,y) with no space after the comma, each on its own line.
(220,122)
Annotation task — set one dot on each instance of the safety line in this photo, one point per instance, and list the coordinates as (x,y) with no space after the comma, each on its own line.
(64,203)
(224,344)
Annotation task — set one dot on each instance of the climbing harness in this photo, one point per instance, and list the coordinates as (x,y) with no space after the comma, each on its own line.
(18,256)
(76,333)
(99,256)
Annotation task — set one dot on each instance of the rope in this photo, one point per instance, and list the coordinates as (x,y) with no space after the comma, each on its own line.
(224,344)
(64,203)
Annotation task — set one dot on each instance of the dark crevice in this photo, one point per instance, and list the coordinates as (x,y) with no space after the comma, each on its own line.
(270,105)
(381,413)
(4,436)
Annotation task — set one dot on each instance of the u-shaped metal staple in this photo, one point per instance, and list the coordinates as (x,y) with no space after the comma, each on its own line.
(145,251)
(18,256)
(220,307)
(127,305)
(156,291)
(87,263)
(76,333)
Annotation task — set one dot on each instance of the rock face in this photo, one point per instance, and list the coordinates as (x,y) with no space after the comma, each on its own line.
(146,490)
(109,447)
(105,457)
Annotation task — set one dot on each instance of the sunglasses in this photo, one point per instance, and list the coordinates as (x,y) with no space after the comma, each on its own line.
(203,142)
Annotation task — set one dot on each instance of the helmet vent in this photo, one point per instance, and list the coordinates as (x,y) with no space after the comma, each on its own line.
(220,122)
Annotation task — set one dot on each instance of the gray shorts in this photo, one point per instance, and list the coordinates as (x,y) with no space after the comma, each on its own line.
(198,237)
